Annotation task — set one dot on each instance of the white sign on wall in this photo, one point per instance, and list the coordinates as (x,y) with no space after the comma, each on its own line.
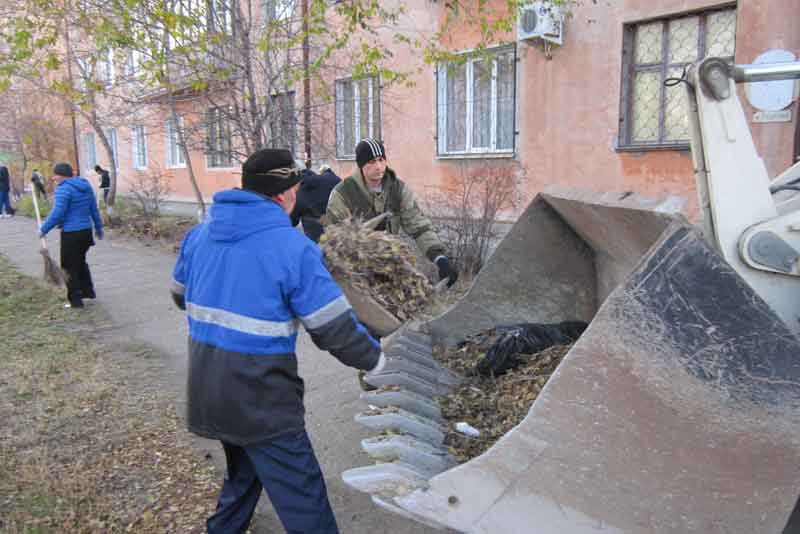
(775,95)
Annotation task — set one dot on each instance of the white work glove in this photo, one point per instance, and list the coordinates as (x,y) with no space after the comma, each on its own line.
(378,366)
(375,370)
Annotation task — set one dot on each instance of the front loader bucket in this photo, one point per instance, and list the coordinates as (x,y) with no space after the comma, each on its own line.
(678,410)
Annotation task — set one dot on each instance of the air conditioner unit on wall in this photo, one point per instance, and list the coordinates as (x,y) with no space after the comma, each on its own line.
(541,20)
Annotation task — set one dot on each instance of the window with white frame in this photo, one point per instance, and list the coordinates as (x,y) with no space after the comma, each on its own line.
(218,138)
(475,105)
(174,150)
(278,10)
(90,150)
(358,114)
(282,121)
(221,16)
(139,147)
(134,63)
(192,22)
(111,136)
(108,70)
(652,115)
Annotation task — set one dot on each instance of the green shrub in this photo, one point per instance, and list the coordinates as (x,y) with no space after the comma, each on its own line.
(25,206)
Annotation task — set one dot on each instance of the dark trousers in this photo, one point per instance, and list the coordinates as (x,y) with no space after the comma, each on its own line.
(288,470)
(74,246)
(105,196)
(5,203)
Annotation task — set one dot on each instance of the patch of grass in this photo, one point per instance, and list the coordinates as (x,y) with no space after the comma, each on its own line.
(90,441)
(25,206)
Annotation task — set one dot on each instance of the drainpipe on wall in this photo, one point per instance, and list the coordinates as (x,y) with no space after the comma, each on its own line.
(306,86)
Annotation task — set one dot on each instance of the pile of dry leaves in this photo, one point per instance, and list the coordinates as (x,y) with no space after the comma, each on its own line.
(377,264)
(492,405)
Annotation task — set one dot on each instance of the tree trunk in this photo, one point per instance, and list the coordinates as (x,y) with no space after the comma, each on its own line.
(198,195)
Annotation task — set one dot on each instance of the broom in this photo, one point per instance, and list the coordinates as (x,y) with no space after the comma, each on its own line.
(52,272)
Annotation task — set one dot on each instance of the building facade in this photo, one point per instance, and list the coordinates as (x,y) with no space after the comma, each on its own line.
(592,112)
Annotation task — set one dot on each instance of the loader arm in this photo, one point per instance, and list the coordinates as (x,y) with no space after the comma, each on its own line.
(753,222)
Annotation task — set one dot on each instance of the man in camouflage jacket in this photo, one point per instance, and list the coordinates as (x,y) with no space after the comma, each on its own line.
(373,189)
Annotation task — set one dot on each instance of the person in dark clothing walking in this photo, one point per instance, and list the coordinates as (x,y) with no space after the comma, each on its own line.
(5,193)
(312,200)
(105,182)
(38,183)
(247,281)
(75,211)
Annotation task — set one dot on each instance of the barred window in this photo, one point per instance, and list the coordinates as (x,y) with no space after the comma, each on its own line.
(139,146)
(652,115)
(282,121)
(91,150)
(174,149)
(218,138)
(475,105)
(358,114)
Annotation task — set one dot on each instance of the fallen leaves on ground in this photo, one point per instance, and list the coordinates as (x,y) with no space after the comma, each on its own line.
(90,440)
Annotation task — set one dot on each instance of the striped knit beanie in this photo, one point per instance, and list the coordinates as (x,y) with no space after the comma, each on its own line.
(367,150)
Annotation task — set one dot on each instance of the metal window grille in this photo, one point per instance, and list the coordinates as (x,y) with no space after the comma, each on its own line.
(476,103)
(358,114)
(174,150)
(218,138)
(91,152)
(652,115)
(139,146)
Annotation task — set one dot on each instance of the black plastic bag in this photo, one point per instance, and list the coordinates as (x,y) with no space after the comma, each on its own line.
(526,338)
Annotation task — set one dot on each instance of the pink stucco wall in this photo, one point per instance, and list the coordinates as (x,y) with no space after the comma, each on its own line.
(567,106)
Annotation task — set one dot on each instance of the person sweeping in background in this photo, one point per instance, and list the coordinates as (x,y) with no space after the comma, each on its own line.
(75,211)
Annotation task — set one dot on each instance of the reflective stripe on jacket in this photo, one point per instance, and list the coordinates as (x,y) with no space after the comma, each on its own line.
(249,281)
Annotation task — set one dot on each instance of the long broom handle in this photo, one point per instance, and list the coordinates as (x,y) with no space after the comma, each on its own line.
(38,216)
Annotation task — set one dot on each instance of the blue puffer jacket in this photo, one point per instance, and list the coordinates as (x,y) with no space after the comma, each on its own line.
(248,280)
(75,207)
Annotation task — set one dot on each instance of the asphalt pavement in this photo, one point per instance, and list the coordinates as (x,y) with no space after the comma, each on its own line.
(132,282)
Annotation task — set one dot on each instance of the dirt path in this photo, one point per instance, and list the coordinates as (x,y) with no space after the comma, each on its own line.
(132,283)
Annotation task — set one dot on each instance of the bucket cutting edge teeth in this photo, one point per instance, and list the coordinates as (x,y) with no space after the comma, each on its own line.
(395,419)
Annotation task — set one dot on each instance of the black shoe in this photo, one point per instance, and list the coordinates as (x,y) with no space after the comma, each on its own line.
(73,305)
(89,294)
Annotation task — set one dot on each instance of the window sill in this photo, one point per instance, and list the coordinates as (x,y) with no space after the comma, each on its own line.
(176,166)
(212,169)
(681,147)
(346,158)
(144,168)
(477,155)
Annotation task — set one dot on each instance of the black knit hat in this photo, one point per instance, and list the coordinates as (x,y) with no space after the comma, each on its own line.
(270,171)
(367,150)
(63,169)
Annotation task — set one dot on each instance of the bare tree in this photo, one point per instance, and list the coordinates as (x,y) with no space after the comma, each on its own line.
(468,210)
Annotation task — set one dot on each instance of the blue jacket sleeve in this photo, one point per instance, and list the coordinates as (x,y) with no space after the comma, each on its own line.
(328,317)
(179,274)
(59,211)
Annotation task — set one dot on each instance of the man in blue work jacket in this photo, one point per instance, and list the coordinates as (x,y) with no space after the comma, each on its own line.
(247,279)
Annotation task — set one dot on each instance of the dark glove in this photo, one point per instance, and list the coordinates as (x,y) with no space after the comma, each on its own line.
(446,270)
(99,234)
